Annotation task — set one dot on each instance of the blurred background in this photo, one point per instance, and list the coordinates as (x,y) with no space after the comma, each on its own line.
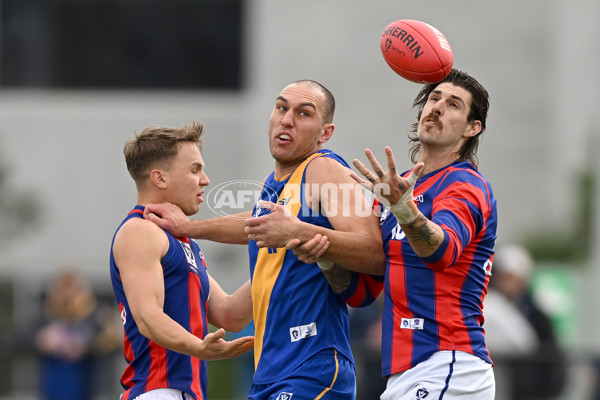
(79,77)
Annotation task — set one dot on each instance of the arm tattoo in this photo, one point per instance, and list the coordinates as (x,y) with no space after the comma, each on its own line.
(423,232)
(338,278)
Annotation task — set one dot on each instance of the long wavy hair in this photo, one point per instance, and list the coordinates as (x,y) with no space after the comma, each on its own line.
(480,105)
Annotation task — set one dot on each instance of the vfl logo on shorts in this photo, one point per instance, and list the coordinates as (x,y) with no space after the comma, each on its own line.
(303,331)
(421,393)
(412,323)
(284,396)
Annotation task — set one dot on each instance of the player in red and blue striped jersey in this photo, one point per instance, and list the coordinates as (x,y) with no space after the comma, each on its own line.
(161,282)
(439,231)
(441,294)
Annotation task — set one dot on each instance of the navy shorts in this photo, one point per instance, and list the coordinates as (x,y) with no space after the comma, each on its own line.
(325,376)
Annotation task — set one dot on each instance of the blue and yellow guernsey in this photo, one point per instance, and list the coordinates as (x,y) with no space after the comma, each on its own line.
(296,314)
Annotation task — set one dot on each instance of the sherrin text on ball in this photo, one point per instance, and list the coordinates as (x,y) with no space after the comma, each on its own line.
(416,51)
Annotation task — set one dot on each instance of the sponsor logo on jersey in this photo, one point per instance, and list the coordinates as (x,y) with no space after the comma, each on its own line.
(189,255)
(284,396)
(303,331)
(412,323)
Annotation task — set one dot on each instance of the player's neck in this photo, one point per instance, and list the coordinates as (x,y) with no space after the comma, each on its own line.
(150,198)
(436,160)
(283,170)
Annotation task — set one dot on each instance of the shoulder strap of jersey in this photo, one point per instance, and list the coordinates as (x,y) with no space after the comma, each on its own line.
(269,261)
(290,196)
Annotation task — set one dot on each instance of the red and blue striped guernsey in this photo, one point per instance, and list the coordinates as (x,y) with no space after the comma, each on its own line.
(150,366)
(436,303)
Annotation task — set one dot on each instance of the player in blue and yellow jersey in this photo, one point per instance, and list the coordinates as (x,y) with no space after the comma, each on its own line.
(439,229)
(302,347)
(297,317)
(165,296)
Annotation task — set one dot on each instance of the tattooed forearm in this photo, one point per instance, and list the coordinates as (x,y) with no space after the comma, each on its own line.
(423,232)
(339,279)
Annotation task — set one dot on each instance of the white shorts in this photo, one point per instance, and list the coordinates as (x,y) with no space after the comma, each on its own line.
(164,394)
(447,375)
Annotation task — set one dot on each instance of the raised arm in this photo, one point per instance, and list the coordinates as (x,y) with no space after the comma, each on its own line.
(138,248)
(396,192)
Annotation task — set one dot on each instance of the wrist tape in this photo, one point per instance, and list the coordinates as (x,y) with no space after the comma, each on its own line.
(325,265)
(405,210)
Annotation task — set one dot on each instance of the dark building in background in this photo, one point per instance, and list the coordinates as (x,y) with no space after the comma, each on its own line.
(122,44)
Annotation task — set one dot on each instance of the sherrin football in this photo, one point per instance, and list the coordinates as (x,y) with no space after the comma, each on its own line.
(416,51)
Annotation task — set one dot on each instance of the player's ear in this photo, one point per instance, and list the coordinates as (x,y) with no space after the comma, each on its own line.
(474,128)
(327,133)
(158,178)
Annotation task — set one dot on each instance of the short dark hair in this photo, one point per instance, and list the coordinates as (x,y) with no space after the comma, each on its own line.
(329,99)
(157,145)
(480,105)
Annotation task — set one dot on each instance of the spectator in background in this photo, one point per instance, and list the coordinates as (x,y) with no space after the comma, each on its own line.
(72,334)
(523,345)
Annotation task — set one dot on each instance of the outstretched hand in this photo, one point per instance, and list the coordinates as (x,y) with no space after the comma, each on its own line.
(167,216)
(216,348)
(390,188)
